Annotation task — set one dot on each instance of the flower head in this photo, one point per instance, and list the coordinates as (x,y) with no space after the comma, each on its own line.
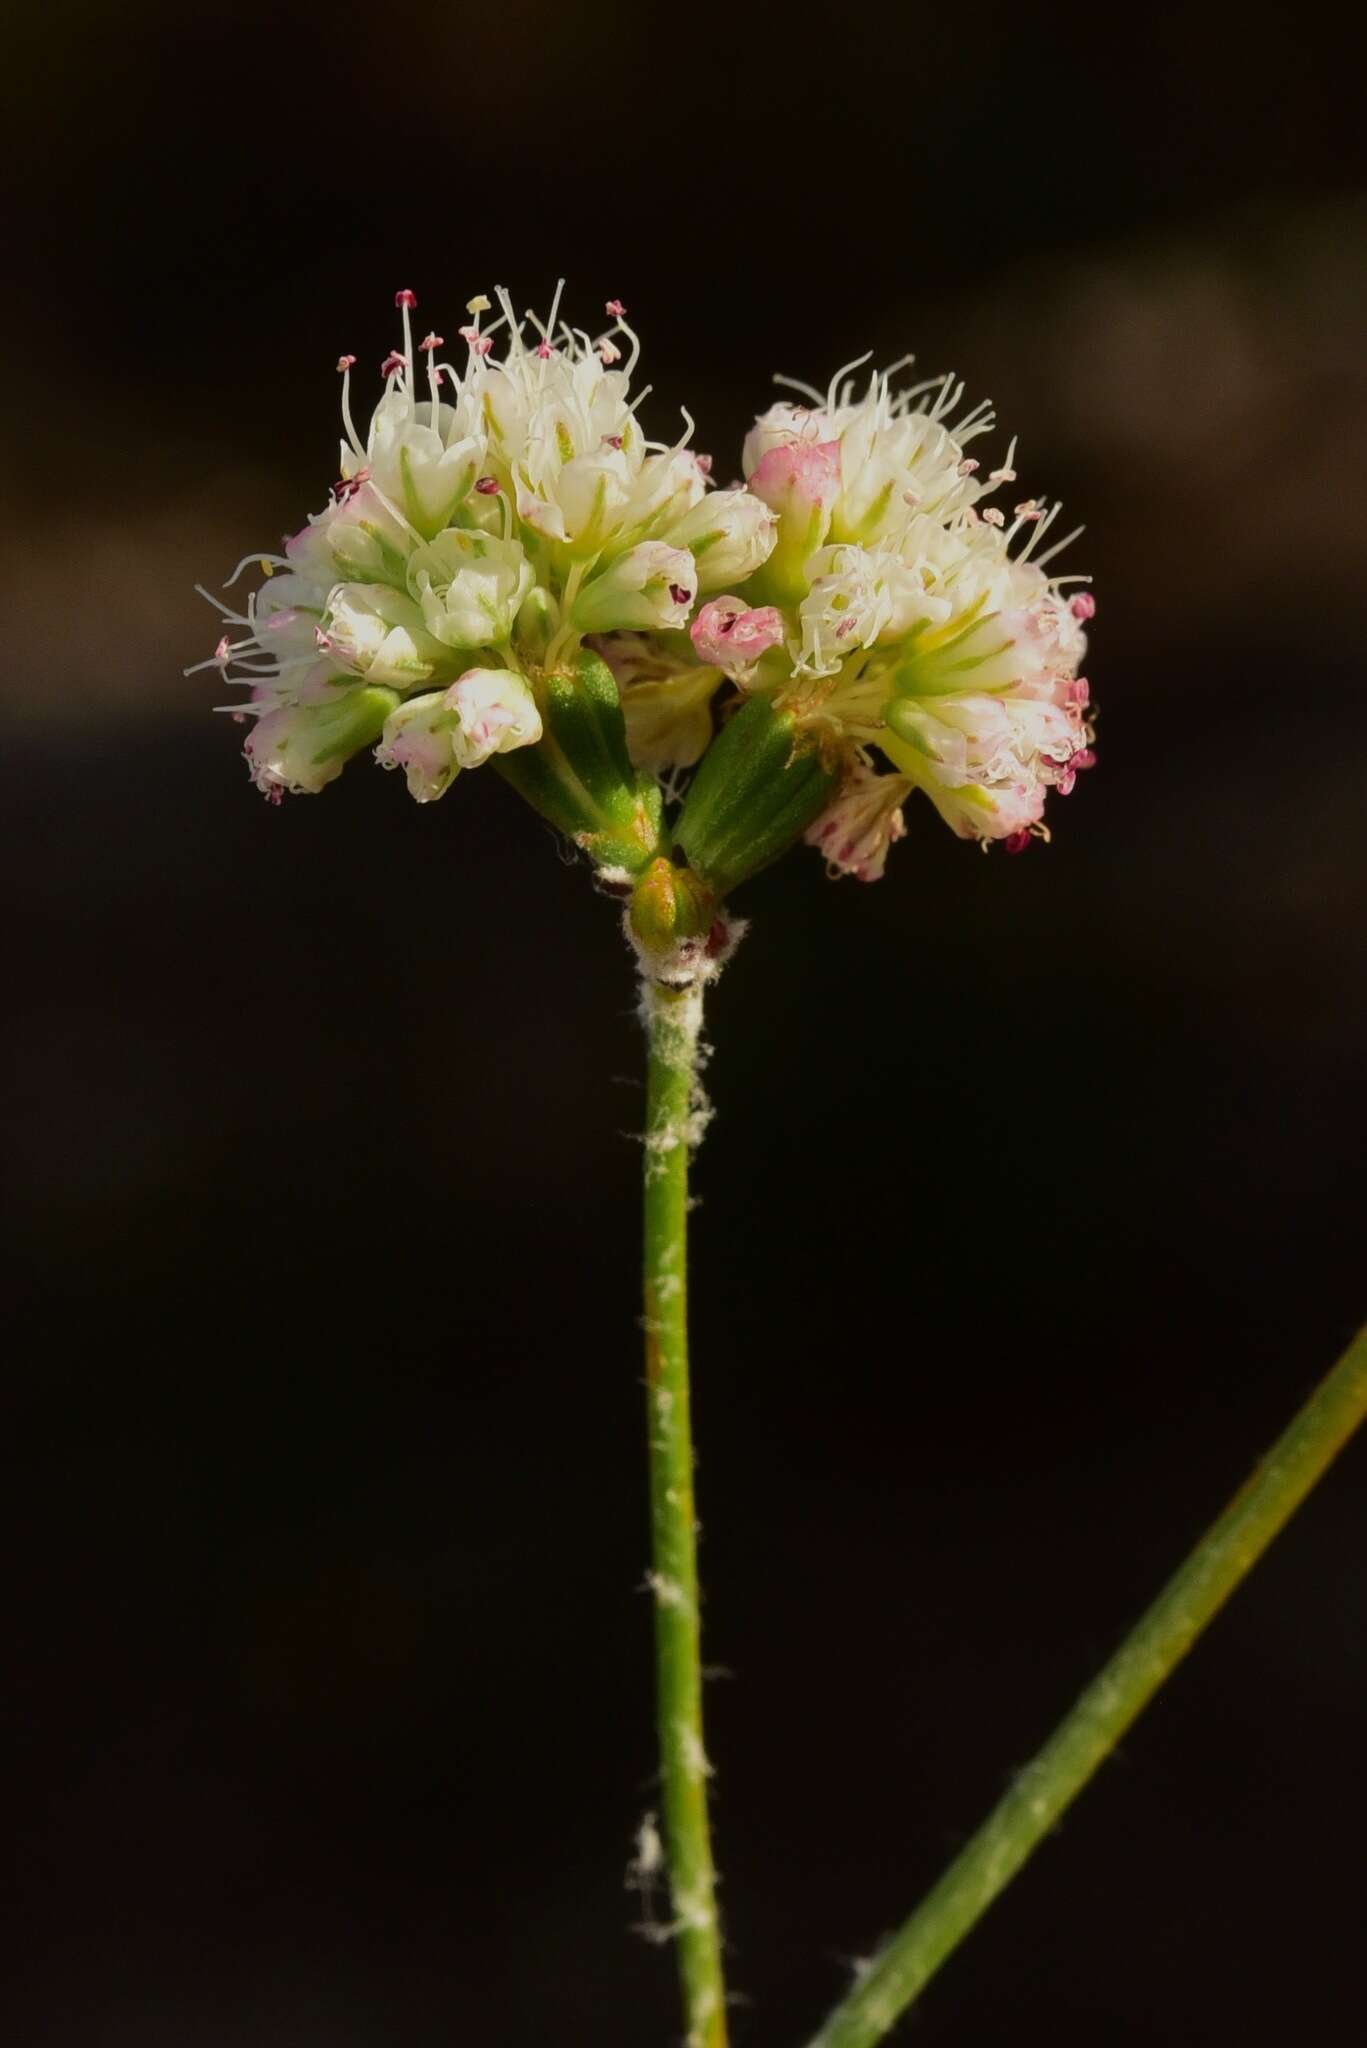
(507,569)
(921,622)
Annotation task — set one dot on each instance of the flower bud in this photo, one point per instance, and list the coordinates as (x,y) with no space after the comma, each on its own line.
(729,535)
(669,904)
(379,633)
(649,587)
(800,481)
(470,587)
(779,427)
(303,747)
(757,789)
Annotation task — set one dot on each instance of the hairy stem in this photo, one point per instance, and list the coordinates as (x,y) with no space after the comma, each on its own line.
(1148,1655)
(673,1017)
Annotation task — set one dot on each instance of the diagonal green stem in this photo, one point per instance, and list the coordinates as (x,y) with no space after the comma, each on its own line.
(1147,1656)
(673,1017)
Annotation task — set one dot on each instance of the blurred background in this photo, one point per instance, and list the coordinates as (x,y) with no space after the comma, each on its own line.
(1034,1200)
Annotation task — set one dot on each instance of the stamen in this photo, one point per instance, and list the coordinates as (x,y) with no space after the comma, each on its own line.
(407,301)
(833,390)
(796,384)
(344,364)
(267,563)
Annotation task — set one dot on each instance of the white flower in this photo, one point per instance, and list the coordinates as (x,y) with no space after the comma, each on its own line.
(377,632)
(470,587)
(652,585)
(923,625)
(422,455)
(894,453)
(729,535)
(857,599)
(565,442)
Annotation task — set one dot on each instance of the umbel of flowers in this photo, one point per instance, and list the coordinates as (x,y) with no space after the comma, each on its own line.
(507,571)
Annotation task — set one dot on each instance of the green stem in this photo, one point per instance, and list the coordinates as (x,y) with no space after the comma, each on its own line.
(673,1017)
(1045,1787)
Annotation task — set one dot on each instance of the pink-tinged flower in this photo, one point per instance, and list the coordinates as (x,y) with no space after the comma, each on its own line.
(417,738)
(302,747)
(486,711)
(732,636)
(800,477)
(495,713)
(861,822)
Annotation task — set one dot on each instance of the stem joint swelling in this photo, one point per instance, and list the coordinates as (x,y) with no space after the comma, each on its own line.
(675,1117)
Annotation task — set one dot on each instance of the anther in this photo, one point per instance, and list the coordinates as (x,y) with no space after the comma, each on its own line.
(487,486)
(615,308)
(345,362)
(1083,606)
(392,362)
(408,299)
(433,341)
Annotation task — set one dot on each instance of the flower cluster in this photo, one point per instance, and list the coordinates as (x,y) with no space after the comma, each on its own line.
(506,567)
(900,612)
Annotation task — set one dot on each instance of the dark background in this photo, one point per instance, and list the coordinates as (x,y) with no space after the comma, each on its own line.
(1034,1200)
